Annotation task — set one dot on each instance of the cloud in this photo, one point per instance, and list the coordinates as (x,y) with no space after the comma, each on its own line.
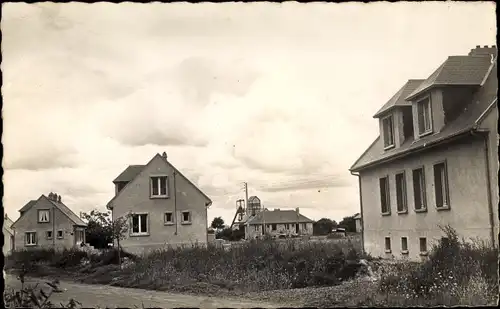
(312,183)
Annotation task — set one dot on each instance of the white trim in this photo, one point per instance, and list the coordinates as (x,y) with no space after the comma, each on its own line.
(171,222)
(159,195)
(29,244)
(140,233)
(486,111)
(190,217)
(393,144)
(39,212)
(431,126)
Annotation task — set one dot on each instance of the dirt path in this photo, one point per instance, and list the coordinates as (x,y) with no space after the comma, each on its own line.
(112,297)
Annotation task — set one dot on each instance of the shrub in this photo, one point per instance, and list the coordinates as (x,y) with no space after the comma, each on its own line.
(34,297)
(454,271)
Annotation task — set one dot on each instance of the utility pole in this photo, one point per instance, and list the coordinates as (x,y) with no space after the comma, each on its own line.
(245,187)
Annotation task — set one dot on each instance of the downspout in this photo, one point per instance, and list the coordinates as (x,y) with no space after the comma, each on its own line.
(488,183)
(175,205)
(361,209)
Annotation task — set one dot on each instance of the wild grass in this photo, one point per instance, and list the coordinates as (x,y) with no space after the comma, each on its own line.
(457,272)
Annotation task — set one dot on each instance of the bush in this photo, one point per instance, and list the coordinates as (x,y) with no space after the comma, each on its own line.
(34,297)
(456,272)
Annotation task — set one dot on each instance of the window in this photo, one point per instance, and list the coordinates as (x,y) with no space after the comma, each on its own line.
(287,226)
(388,129)
(274,227)
(441,185)
(256,228)
(139,224)
(48,234)
(384,195)
(404,245)
(43,215)
(401,192)
(423,245)
(186,217)
(419,189)
(168,218)
(159,186)
(60,234)
(424,116)
(387,244)
(304,226)
(30,238)
(79,236)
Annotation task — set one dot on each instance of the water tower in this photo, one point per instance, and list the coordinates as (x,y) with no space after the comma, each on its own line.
(254,206)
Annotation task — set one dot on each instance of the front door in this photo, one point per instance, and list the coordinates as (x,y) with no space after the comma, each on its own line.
(297,228)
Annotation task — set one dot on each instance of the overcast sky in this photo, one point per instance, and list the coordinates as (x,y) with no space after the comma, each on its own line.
(278,95)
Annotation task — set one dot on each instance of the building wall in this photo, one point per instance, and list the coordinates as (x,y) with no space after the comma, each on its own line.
(7,241)
(358,225)
(468,212)
(58,221)
(491,123)
(255,230)
(135,197)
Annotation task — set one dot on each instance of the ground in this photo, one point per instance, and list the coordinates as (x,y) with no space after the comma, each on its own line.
(105,296)
(350,293)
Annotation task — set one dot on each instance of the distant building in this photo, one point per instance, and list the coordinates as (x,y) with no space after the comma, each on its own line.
(278,222)
(166,208)
(8,235)
(48,222)
(435,162)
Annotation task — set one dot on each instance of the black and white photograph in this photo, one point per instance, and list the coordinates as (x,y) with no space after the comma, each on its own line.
(250,154)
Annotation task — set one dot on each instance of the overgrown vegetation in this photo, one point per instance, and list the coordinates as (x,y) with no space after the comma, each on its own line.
(455,273)
(33,296)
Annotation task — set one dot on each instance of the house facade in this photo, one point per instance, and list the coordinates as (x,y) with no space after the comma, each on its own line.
(357,220)
(48,223)
(278,223)
(8,235)
(435,162)
(164,207)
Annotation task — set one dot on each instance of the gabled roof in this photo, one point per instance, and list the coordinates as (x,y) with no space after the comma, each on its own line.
(7,225)
(277,217)
(27,206)
(456,71)
(61,206)
(129,173)
(135,170)
(470,117)
(399,99)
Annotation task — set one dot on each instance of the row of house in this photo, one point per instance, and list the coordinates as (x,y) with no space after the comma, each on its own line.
(435,161)
(164,208)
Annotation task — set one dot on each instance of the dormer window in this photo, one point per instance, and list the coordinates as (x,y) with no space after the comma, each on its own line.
(424,116)
(388,129)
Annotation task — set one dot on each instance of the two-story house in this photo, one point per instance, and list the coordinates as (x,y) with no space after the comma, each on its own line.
(435,161)
(48,222)
(8,235)
(164,207)
(278,223)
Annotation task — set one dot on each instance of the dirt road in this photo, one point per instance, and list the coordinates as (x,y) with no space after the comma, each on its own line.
(112,297)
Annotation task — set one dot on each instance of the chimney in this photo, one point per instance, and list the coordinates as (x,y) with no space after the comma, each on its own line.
(297,211)
(51,196)
(164,155)
(485,50)
(276,209)
(59,199)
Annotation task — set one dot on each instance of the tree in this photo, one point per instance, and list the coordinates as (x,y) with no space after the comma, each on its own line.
(119,232)
(217,223)
(323,226)
(349,223)
(99,231)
